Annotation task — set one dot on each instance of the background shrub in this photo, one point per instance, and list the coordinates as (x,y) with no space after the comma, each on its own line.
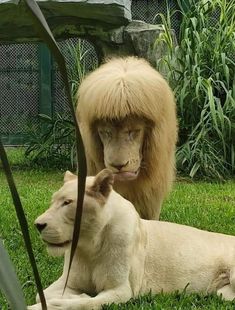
(52,142)
(201,70)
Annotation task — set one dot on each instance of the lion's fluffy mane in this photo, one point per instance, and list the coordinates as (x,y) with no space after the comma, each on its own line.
(125,87)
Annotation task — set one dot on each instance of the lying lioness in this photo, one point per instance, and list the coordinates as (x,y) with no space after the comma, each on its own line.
(120,256)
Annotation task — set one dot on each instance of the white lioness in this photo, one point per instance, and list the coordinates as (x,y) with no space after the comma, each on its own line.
(120,256)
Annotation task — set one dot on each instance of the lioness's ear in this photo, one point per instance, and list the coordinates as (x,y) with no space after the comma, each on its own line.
(69,176)
(103,182)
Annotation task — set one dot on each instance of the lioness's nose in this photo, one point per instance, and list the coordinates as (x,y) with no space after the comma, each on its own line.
(40,226)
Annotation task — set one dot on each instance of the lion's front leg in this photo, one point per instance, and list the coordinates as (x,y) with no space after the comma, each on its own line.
(117,295)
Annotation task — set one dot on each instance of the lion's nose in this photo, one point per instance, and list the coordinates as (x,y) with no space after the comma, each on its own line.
(40,226)
(120,166)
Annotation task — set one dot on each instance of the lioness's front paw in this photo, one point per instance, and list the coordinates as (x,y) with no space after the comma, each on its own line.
(35,307)
(82,303)
(57,304)
(38,298)
(39,307)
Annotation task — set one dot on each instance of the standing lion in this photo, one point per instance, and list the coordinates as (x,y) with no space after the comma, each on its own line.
(127,117)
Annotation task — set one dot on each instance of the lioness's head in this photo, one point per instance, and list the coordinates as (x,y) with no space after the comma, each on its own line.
(122,142)
(56,224)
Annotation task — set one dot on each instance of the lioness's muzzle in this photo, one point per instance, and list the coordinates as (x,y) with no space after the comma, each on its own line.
(40,226)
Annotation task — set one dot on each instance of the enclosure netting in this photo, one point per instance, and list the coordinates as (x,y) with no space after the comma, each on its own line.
(19,92)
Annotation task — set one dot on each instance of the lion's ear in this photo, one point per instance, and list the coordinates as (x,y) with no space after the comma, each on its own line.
(103,182)
(69,176)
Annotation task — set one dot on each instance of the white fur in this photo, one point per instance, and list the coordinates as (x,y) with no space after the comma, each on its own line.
(120,256)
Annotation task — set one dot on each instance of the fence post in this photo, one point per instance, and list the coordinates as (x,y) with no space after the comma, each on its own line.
(45,80)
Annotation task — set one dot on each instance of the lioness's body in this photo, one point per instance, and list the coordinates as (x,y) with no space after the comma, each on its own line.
(120,256)
(127,117)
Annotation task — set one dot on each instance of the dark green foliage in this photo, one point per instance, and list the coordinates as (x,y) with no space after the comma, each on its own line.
(201,70)
(52,144)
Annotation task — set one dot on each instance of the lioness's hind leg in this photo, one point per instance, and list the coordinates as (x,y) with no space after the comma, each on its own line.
(227,292)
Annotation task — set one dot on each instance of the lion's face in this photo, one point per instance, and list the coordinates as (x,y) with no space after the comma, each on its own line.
(122,146)
(56,224)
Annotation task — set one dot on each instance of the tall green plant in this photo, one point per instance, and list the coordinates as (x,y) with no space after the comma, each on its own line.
(201,70)
(79,52)
(52,142)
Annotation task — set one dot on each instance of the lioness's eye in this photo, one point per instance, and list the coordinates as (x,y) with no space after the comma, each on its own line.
(67,202)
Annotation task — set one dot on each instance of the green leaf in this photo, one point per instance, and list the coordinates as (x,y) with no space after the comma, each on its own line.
(22,220)
(9,283)
(184,5)
(46,34)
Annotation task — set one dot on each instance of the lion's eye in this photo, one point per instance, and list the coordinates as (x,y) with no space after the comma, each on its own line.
(105,133)
(133,133)
(67,202)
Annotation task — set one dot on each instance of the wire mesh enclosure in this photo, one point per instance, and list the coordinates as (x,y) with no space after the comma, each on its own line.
(23,93)
(31,83)
(149,10)
(19,92)
(77,52)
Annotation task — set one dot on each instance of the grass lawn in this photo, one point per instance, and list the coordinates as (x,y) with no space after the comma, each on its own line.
(209,206)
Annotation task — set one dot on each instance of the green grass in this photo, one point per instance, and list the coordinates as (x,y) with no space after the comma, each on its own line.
(209,206)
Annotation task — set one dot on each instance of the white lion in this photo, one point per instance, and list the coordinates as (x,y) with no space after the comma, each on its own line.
(120,256)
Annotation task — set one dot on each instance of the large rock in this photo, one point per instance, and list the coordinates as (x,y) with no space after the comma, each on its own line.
(65,18)
(145,39)
(107,24)
(137,38)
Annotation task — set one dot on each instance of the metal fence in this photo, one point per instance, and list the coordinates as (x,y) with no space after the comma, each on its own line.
(19,92)
(31,84)
(149,10)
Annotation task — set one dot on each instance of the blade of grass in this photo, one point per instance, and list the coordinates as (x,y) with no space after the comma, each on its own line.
(9,283)
(47,36)
(23,222)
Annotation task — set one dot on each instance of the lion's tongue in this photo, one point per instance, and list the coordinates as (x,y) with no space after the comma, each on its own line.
(124,176)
